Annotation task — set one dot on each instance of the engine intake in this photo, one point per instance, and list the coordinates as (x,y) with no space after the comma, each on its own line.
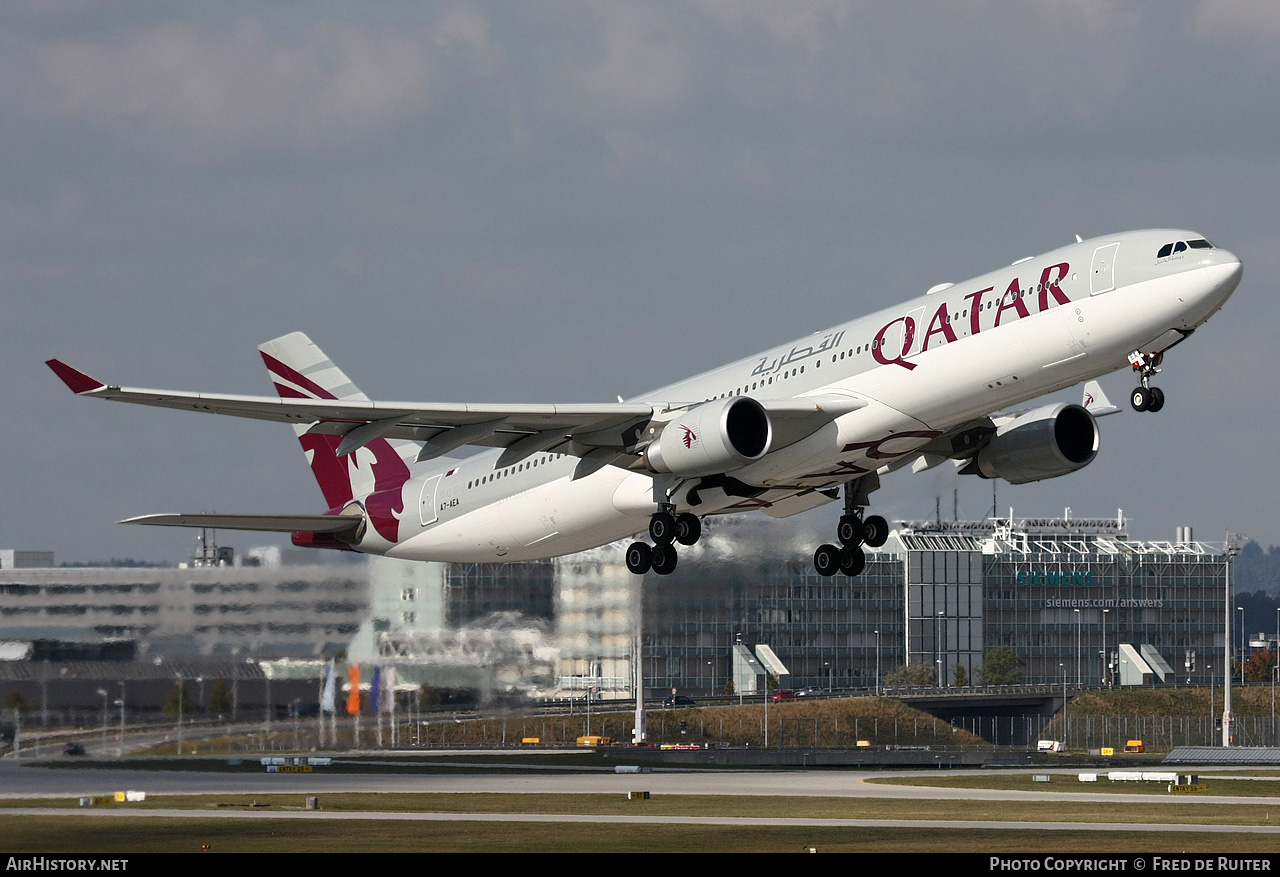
(711,438)
(1044,443)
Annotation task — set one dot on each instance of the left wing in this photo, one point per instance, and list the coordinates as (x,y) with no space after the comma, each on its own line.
(522,429)
(611,433)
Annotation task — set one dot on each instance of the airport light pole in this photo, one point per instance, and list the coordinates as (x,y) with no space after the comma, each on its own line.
(1063,668)
(878,659)
(120,751)
(1106,677)
(102,692)
(1209,670)
(940,633)
(182,684)
(1079,679)
(1240,609)
(1230,546)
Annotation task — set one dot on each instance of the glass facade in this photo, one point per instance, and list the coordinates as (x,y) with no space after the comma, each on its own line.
(1065,604)
(823,629)
(1062,594)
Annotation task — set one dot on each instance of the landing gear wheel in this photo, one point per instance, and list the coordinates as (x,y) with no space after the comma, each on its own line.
(662,528)
(850,530)
(875,531)
(1141,399)
(1157,399)
(664,559)
(688,529)
(826,560)
(852,560)
(639,558)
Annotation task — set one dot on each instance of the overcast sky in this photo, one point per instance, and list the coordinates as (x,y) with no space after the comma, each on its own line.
(564,202)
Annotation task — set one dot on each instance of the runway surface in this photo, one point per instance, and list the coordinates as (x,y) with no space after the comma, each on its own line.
(23,781)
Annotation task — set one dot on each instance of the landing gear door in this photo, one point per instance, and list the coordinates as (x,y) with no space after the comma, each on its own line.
(1102,275)
(427,502)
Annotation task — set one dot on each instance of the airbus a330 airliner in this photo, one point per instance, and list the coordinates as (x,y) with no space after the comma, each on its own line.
(783,431)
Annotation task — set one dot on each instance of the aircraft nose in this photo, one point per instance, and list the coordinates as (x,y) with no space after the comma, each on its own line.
(1226,270)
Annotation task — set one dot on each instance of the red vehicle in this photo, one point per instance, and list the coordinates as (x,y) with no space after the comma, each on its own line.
(784,694)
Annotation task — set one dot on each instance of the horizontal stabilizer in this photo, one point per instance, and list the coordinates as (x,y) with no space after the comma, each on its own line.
(267,523)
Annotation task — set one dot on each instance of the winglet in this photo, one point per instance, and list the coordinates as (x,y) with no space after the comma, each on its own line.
(78,381)
(1096,402)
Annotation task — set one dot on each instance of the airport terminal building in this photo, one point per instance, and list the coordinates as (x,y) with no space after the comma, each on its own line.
(1076,599)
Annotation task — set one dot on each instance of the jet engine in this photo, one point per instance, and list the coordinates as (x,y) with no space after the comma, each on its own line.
(1044,443)
(711,438)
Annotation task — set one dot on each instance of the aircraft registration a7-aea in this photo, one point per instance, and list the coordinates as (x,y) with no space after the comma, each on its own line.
(782,431)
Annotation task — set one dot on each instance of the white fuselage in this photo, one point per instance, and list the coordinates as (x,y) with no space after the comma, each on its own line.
(921,368)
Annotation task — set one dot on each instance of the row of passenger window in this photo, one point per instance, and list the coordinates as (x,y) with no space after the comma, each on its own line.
(867,348)
(511,470)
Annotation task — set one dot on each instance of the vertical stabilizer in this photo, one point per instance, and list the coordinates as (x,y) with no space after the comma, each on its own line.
(373,473)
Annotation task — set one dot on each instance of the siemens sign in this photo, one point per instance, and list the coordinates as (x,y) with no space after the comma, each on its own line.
(1055,577)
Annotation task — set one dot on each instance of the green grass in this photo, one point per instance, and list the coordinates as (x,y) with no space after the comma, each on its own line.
(1171,810)
(1071,783)
(102,830)
(48,835)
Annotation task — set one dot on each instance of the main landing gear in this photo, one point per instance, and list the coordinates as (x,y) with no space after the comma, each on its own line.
(853,531)
(1145,397)
(665,529)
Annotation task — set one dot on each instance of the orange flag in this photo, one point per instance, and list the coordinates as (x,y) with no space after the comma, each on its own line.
(353,699)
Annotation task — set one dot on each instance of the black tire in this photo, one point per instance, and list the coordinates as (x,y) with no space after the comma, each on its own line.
(664,559)
(662,528)
(639,558)
(688,529)
(1141,399)
(826,560)
(852,561)
(849,530)
(1157,399)
(875,531)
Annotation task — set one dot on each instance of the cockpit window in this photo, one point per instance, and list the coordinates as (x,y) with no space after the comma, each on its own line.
(1181,247)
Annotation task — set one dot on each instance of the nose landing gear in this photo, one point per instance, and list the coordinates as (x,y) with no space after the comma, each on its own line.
(1146,397)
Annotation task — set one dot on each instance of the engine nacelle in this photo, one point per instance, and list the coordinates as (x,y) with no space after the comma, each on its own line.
(1044,443)
(711,438)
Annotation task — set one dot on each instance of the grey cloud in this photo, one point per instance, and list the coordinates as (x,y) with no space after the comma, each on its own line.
(563,202)
(178,91)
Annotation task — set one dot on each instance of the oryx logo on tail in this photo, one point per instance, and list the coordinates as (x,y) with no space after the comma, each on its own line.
(373,474)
